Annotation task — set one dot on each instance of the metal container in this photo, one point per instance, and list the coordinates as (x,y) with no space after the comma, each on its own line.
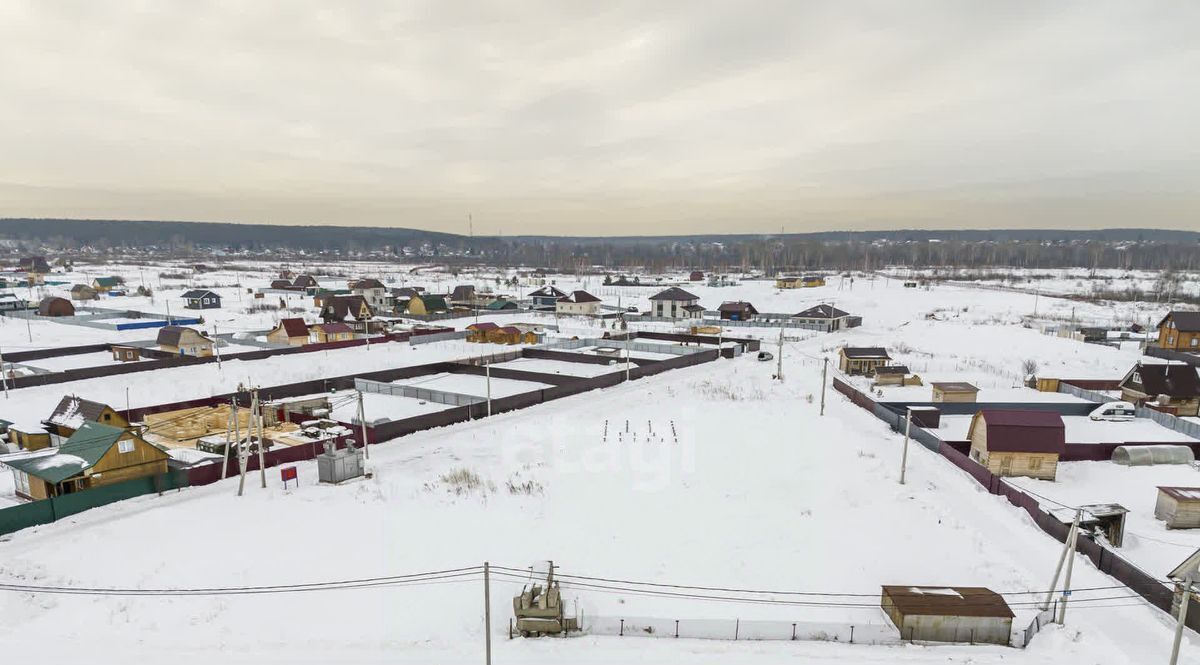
(335,466)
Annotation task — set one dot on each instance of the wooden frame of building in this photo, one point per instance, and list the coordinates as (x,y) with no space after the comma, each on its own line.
(1018,442)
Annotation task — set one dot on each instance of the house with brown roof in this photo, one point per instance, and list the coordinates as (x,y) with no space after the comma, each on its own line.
(1171,387)
(1179,507)
(954,391)
(374,292)
(579,303)
(826,317)
(675,303)
(72,412)
(293,332)
(696,276)
(862,360)
(306,283)
(182,341)
(1018,442)
(478,332)
(332,332)
(463,294)
(738,310)
(55,306)
(1180,331)
(948,614)
(546,297)
(340,308)
(84,292)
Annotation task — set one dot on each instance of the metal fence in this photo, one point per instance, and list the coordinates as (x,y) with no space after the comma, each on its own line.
(739,629)
(1184,427)
(45,511)
(416,392)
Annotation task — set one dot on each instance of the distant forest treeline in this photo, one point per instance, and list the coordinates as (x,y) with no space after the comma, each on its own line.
(1110,248)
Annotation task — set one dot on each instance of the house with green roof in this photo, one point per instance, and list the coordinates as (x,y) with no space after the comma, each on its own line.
(500,304)
(95,455)
(106,284)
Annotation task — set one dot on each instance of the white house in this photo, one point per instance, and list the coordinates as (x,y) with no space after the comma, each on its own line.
(578,302)
(374,292)
(675,303)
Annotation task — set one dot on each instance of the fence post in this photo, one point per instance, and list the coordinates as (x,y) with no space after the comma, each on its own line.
(677,628)
(622,633)
(737,627)
(794,631)
(851,632)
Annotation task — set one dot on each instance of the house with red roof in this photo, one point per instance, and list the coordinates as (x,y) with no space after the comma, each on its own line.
(293,332)
(1018,442)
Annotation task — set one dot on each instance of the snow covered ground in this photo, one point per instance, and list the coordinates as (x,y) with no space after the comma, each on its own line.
(562,367)
(378,407)
(469,384)
(60,363)
(1082,429)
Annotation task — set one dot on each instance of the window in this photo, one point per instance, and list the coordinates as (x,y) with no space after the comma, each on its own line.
(22,481)
(1195,341)
(125,445)
(1035,463)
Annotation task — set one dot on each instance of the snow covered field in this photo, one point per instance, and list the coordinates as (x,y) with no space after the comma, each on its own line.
(561,367)
(469,384)
(751,489)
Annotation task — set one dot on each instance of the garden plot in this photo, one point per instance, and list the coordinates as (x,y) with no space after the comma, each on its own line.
(584,370)
(1082,429)
(1148,542)
(383,408)
(642,355)
(78,361)
(470,384)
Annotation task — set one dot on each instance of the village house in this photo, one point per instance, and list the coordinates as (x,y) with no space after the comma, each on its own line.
(339,308)
(72,412)
(787,282)
(546,297)
(106,284)
(28,436)
(578,302)
(182,341)
(1017,442)
(1180,331)
(374,292)
(696,276)
(201,299)
(293,332)
(895,375)
(862,361)
(948,614)
(423,305)
(463,295)
(55,306)
(478,332)
(675,303)
(332,332)
(94,456)
(501,305)
(33,264)
(954,391)
(306,283)
(1179,507)
(281,285)
(11,302)
(124,353)
(825,317)
(83,292)
(1172,387)
(737,311)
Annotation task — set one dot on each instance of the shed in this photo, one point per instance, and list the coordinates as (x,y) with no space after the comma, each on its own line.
(862,360)
(1148,455)
(202,299)
(55,306)
(1018,442)
(954,391)
(184,341)
(122,353)
(1106,519)
(106,284)
(739,310)
(948,614)
(28,436)
(1179,507)
(696,276)
(895,375)
(293,332)
(83,292)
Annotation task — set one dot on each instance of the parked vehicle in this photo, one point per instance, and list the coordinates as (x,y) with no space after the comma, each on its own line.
(1115,412)
(766,355)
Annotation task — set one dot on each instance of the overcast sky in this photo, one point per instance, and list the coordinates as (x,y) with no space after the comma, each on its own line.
(592,118)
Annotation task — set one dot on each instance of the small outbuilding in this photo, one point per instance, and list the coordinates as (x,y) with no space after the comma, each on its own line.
(293,332)
(895,375)
(106,284)
(975,615)
(954,391)
(739,310)
(183,341)
(83,292)
(201,299)
(1018,442)
(55,306)
(332,332)
(125,354)
(1179,507)
(862,360)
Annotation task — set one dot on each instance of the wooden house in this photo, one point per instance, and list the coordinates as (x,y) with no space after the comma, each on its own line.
(123,353)
(1017,442)
(1179,507)
(675,303)
(33,264)
(463,295)
(55,306)
(501,305)
(423,305)
(948,614)
(826,317)
(339,308)
(1180,331)
(739,310)
(335,331)
(305,283)
(895,375)
(578,303)
(810,281)
(182,341)
(862,361)
(546,297)
(511,335)
(201,299)
(28,437)
(293,332)
(696,276)
(1174,387)
(94,456)
(478,332)
(83,292)
(281,285)
(787,282)
(106,284)
(72,412)
(954,391)
(377,295)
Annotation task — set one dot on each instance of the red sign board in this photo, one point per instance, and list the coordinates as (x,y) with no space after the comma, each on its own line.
(288,473)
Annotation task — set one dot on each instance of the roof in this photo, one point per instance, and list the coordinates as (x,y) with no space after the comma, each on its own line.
(80,452)
(963,601)
(578,297)
(865,352)
(511,330)
(821,312)
(369,283)
(954,386)
(547,291)
(892,369)
(81,287)
(1182,493)
(304,281)
(737,306)
(1184,321)
(483,325)
(107,281)
(169,335)
(343,306)
(1175,380)
(198,293)
(74,411)
(49,301)
(280,284)
(1022,430)
(693,308)
(332,328)
(463,292)
(432,303)
(294,327)
(674,293)
(501,303)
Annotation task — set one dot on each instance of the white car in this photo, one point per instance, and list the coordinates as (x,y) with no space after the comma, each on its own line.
(1115,411)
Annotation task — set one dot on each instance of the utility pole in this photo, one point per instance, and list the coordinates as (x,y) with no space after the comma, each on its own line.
(168,312)
(262,441)
(779,357)
(487,612)
(237,433)
(216,345)
(1062,609)
(1186,600)
(487,368)
(1062,558)
(824,370)
(627,333)
(904,455)
(229,432)
(362,423)
(4,376)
